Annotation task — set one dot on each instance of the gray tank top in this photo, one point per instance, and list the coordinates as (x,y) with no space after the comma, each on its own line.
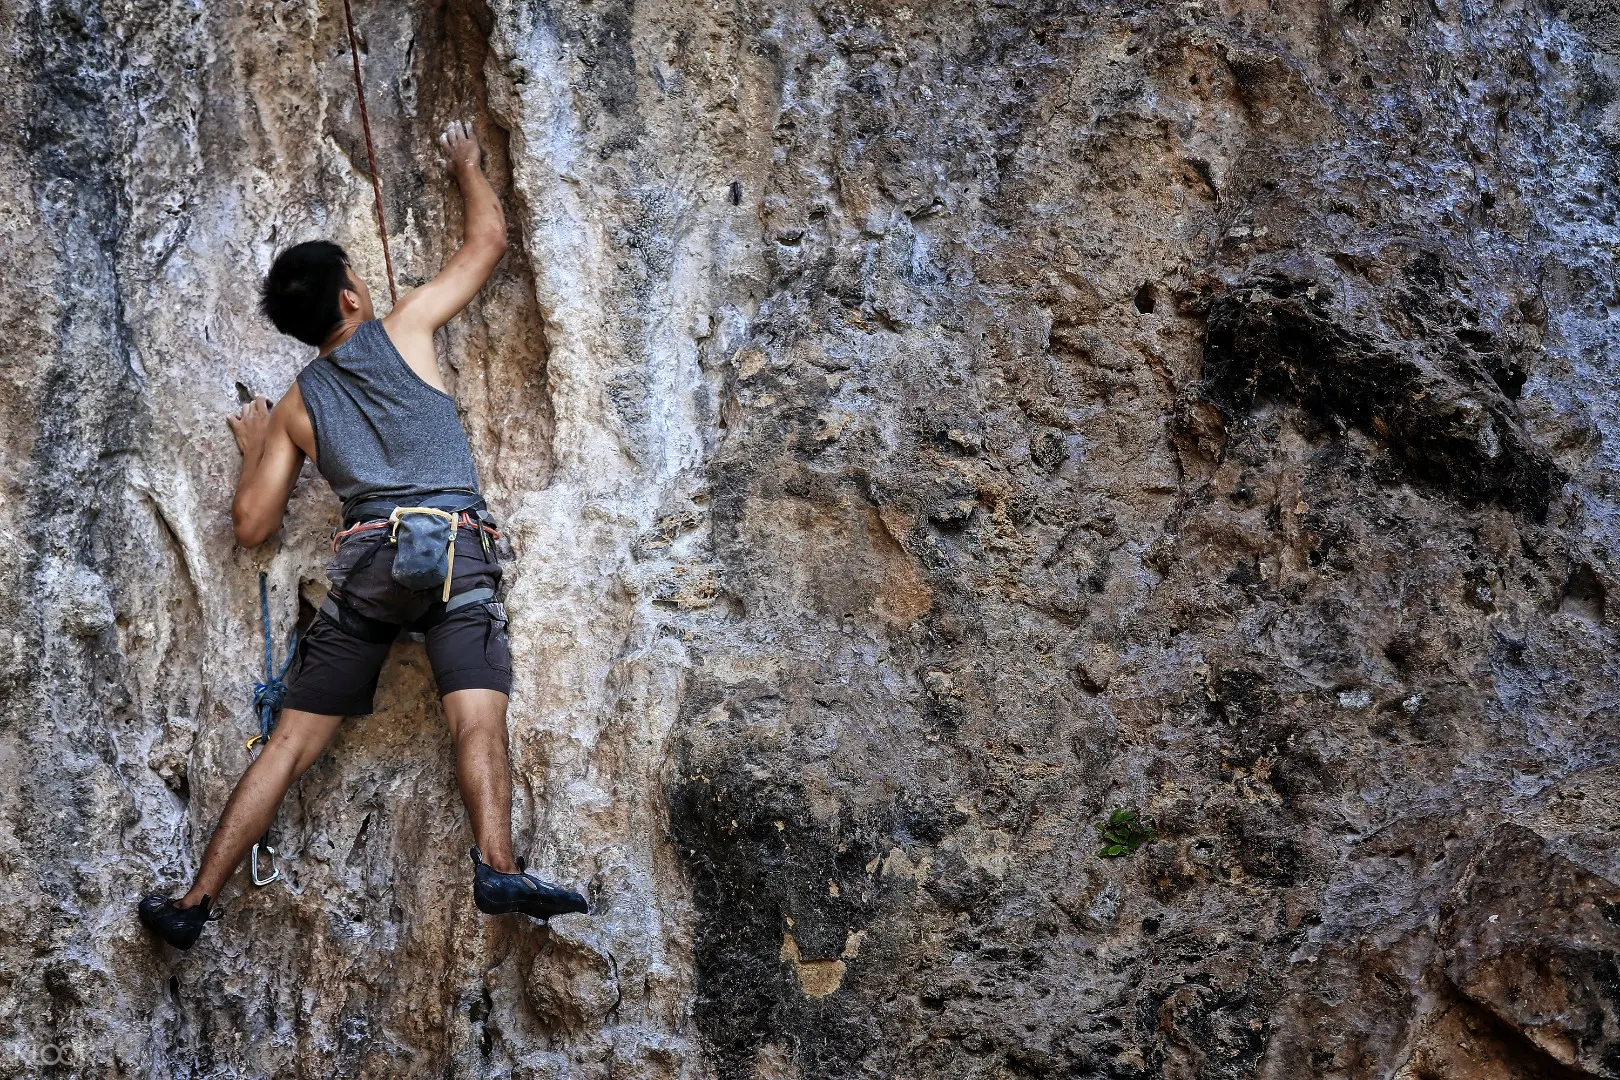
(380,431)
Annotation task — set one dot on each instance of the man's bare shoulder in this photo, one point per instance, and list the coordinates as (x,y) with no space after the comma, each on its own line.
(292,417)
(412,338)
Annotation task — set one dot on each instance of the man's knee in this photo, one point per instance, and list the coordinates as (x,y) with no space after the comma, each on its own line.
(479,726)
(475,712)
(288,758)
(297,745)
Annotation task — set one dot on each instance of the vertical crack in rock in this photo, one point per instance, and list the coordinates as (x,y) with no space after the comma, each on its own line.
(68,701)
(632,237)
(498,348)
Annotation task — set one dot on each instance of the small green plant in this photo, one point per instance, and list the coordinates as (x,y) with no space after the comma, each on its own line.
(1123,832)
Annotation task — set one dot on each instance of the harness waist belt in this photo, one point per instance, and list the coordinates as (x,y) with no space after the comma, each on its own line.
(382,508)
(471,596)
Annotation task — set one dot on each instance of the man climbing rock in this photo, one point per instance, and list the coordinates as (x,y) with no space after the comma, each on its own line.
(414,551)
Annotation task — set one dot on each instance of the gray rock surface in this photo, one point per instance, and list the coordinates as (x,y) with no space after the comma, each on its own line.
(920,430)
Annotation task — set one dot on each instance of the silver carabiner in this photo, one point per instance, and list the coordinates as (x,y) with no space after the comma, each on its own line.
(253,865)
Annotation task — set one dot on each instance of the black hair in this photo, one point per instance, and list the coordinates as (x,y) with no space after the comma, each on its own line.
(300,294)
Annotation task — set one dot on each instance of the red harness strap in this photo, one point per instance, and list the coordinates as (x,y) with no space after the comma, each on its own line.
(466,522)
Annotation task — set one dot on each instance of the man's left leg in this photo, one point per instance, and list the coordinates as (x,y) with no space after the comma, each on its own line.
(296,743)
(335,676)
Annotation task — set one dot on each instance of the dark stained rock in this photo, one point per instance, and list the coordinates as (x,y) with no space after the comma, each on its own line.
(1431,382)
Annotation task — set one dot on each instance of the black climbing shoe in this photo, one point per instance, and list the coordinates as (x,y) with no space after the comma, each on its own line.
(176,925)
(521,893)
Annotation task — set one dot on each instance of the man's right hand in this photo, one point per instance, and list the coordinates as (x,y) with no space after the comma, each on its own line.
(251,427)
(460,147)
(423,310)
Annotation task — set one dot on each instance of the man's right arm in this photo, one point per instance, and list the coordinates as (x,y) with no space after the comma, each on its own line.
(422,311)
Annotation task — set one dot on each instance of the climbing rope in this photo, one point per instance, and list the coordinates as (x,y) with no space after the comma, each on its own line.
(371,156)
(269,694)
(267,698)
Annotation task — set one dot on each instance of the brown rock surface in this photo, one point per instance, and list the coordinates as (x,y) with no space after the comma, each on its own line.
(1536,940)
(919,430)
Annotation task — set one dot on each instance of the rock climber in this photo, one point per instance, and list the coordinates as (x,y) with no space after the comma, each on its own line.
(414,551)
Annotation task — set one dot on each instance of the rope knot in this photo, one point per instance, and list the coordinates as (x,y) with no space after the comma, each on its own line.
(269,694)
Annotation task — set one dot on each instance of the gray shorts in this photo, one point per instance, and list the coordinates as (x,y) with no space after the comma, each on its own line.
(335,670)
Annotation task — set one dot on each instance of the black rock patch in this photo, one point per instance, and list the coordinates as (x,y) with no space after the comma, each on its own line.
(1437,399)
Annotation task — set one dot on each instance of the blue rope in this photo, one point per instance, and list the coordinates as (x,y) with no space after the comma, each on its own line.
(269,694)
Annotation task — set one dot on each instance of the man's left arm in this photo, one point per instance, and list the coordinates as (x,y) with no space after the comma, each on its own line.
(270,465)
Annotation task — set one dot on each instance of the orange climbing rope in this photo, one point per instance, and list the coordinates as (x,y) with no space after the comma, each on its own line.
(371,156)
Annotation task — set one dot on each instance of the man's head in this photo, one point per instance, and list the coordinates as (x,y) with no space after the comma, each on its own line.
(311,289)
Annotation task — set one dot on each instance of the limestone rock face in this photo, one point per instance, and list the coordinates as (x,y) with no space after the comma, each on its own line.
(919,430)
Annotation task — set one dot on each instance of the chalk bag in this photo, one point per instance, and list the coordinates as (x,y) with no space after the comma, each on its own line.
(425,540)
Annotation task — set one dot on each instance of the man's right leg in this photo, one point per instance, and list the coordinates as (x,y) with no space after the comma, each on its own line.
(294,746)
(472,665)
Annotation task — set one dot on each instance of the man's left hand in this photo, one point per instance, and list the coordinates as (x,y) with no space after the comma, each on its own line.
(251,427)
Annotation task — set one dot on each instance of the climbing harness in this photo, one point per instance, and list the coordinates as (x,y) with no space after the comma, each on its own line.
(380,632)
(424,536)
(466,521)
(267,698)
(371,155)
